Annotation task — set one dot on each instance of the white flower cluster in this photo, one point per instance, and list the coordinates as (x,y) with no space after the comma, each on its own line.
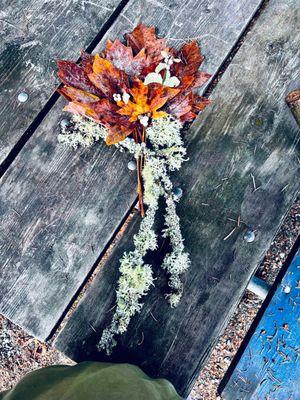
(166,153)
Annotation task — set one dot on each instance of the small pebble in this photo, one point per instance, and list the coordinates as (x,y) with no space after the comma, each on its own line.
(131,165)
(23,97)
(287,289)
(178,192)
(65,123)
(249,236)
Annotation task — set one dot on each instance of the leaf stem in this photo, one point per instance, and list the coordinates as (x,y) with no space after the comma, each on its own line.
(140,163)
(140,184)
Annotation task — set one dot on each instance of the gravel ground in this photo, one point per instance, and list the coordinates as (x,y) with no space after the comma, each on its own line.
(21,353)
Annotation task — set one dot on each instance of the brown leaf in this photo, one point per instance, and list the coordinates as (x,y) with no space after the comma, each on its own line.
(191,59)
(143,37)
(117,134)
(74,94)
(188,117)
(107,77)
(186,107)
(201,78)
(199,103)
(122,57)
(107,112)
(85,110)
(179,106)
(72,74)
(87,61)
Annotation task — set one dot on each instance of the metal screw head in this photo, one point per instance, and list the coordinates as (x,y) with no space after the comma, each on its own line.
(131,165)
(249,236)
(178,192)
(287,289)
(23,97)
(65,123)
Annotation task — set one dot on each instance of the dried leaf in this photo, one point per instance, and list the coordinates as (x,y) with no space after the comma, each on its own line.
(85,110)
(191,59)
(73,75)
(201,78)
(74,94)
(146,100)
(106,111)
(122,57)
(145,37)
(107,77)
(199,103)
(117,134)
(87,61)
(179,106)
(139,105)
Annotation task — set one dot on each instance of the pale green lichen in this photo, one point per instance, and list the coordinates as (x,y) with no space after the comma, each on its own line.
(83,132)
(135,279)
(165,153)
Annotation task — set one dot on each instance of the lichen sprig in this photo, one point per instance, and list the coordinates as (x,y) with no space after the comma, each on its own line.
(166,153)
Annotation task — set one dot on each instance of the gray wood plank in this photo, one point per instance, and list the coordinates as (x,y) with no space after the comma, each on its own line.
(33,35)
(248,130)
(59,208)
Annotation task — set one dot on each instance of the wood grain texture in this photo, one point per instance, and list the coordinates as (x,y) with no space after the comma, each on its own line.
(269,366)
(59,208)
(247,131)
(33,35)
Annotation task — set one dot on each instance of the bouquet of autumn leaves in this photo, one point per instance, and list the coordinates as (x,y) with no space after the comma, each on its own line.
(137,96)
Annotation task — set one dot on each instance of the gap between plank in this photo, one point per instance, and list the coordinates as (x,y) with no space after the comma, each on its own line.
(209,89)
(235,48)
(55,96)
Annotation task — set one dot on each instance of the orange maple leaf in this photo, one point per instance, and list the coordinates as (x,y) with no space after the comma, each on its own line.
(145,101)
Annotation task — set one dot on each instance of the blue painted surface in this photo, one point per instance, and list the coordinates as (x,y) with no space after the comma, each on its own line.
(269,368)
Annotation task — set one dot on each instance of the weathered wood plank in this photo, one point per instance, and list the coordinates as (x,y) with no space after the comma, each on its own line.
(60,208)
(269,366)
(248,131)
(33,35)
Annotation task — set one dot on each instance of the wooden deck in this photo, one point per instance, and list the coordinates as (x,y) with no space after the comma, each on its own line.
(56,204)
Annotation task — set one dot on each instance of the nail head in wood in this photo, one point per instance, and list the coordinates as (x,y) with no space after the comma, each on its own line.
(131,165)
(287,289)
(249,236)
(23,97)
(65,123)
(178,192)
